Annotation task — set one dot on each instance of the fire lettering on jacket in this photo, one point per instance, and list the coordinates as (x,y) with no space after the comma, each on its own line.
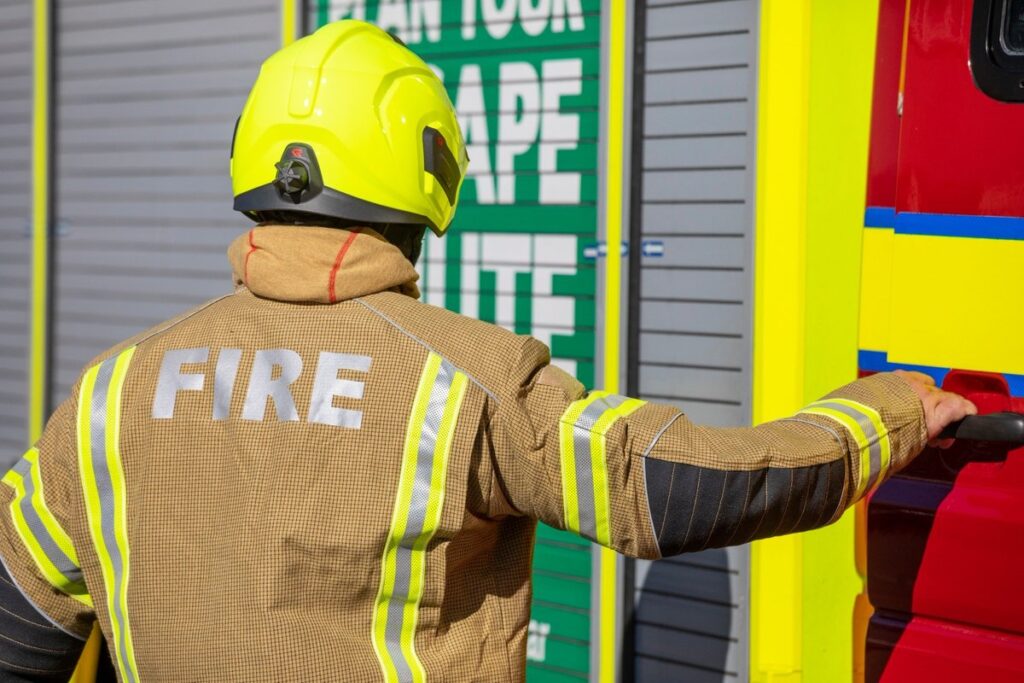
(273,373)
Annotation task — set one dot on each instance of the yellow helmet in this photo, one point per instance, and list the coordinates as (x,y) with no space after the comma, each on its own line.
(349,123)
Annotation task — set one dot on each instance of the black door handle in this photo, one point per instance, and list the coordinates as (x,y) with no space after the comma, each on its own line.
(993,427)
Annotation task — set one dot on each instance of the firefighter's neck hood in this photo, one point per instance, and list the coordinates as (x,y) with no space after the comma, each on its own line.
(319,265)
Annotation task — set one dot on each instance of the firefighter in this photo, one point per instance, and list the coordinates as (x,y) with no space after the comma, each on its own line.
(318,477)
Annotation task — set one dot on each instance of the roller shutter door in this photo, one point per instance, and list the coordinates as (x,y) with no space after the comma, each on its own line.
(148,94)
(15,225)
(690,341)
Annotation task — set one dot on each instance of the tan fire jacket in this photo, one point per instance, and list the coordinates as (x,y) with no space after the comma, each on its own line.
(319,478)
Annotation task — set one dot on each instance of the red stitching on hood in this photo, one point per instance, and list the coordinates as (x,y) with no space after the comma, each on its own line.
(252,248)
(331,296)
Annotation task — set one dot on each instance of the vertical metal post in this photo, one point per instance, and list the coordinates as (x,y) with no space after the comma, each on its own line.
(636,165)
(42,219)
(289,21)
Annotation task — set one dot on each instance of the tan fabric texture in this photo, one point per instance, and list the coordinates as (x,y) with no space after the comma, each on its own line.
(256,539)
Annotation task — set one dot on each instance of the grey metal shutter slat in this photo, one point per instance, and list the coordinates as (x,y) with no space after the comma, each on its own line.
(90,188)
(703,18)
(694,119)
(723,185)
(15,234)
(704,252)
(692,317)
(164,232)
(699,151)
(712,285)
(220,103)
(148,96)
(715,351)
(693,346)
(694,218)
(698,52)
(196,24)
(715,84)
(718,385)
(76,15)
(246,50)
(154,85)
(147,136)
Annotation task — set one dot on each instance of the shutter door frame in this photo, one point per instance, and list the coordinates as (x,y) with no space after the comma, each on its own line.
(24,121)
(719,577)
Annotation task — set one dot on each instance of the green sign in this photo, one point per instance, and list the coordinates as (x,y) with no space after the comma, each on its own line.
(524,78)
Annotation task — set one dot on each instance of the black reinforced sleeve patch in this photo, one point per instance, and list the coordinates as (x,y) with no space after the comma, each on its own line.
(32,649)
(694,508)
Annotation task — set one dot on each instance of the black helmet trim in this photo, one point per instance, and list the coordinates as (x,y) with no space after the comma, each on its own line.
(327,202)
(439,162)
(298,186)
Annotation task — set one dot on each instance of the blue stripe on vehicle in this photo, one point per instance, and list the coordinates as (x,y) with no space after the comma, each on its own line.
(954,225)
(879,217)
(878,361)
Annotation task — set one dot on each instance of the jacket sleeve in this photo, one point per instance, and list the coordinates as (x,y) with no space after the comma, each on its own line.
(642,479)
(37,498)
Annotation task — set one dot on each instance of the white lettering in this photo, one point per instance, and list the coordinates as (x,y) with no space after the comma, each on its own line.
(327,385)
(518,123)
(561,77)
(469,105)
(392,16)
(563,9)
(537,640)
(534,19)
(172,380)
(424,14)
(224,382)
(263,385)
(498,16)
(468,19)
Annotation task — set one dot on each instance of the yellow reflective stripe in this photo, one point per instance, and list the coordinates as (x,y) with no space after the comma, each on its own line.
(120,488)
(60,537)
(42,536)
(432,522)
(880,429)
(583,430)
(857,432)
(103,485)
(415,518)
(400,514)
(567,452)
(599,466)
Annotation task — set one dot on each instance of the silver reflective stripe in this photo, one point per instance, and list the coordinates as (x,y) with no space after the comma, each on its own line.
(105,490)
(581,432)
(68,569)
(418,503)
(224,382)
(874,447)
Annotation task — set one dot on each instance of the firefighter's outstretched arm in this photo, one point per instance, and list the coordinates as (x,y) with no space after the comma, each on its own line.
(641,478)
(46,612)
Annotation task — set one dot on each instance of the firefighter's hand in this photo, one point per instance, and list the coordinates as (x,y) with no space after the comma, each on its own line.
(941,408)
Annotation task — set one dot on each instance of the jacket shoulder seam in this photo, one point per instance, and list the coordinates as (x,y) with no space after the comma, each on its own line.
(107,355)
(390,321)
